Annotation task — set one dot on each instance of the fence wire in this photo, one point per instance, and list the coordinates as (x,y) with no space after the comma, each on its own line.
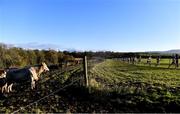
(35,102)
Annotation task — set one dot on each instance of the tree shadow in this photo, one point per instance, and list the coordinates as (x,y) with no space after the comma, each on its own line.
(78,99)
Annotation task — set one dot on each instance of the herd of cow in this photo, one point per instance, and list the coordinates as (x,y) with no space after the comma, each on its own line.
(10,76)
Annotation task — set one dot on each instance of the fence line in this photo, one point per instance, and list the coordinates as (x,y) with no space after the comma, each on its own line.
(62,71)
(56,74)
(21,108)
(60,89)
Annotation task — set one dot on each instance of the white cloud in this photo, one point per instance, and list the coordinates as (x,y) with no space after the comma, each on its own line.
(36,45)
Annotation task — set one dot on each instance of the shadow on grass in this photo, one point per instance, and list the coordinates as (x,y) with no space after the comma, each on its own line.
(78,99)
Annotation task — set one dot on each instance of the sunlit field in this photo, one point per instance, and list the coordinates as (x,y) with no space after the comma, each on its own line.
(153,88)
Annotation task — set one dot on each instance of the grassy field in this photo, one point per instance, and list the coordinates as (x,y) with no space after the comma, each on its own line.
(115,86)
(139,88)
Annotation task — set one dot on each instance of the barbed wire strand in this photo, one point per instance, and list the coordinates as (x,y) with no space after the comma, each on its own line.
(56,74)
(21,108)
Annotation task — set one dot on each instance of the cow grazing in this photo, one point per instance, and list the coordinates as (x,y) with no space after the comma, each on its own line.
(2,80)
(31,74)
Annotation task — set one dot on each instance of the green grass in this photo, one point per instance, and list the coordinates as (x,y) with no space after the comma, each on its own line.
(118,72)
(145,88)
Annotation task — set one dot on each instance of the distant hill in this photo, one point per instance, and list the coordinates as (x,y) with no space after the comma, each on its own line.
(173,51)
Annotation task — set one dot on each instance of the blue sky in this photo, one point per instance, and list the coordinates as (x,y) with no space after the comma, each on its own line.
(115,25)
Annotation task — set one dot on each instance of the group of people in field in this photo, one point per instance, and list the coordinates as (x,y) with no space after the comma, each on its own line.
(132,60)
(135,60)
(10,76)
(149,60)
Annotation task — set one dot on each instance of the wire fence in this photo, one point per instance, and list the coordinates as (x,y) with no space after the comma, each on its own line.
(47,80)
(53,74)
(76,78)
(35,102)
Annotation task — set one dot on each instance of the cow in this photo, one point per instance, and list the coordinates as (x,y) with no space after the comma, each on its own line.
(26,74)
(2,79)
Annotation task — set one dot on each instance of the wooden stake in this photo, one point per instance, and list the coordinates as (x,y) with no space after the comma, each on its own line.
(85,72)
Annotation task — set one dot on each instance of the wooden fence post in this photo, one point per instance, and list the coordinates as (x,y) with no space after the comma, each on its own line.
(85,72)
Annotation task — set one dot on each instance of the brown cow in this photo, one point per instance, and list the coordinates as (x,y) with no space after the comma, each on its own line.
(25,74)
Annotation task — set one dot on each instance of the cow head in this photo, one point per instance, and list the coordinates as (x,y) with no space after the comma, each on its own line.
(3,74)
(44,67)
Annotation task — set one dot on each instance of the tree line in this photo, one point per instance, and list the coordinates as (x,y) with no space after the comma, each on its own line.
(18,57)
(14,56)
(111,54)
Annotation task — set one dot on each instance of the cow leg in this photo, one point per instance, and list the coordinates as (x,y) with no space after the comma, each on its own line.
(7,89)
(10,88)
(33,84)
(4,88)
